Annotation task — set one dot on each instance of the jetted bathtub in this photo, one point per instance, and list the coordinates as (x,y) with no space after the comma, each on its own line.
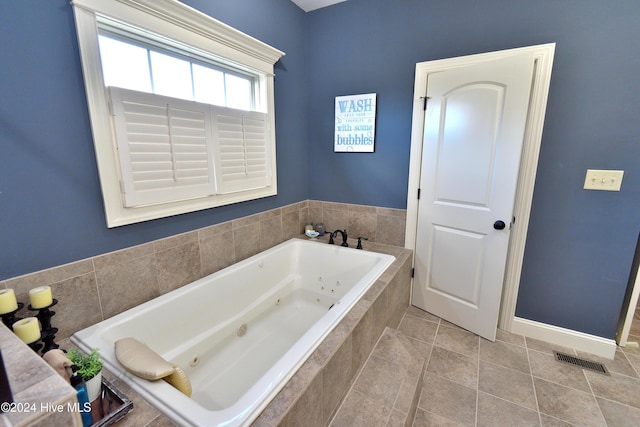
(241,333)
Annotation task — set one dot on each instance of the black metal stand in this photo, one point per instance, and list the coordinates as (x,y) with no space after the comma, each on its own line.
(10,318)
(35,346)
(48,333)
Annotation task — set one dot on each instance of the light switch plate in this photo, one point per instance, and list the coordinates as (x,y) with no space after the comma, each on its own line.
(605,180)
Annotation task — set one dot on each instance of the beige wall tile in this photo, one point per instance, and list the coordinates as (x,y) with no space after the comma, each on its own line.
(390,230)
(363,339)
(127,284)
(246,241)
(217,252)
(22,284)
(78,305)
(335,219)
(122,256)
(291,225)
(361,208)
(215,230)
(362,224)
(174,241)
(270,232)
(178,266)
(306,411)
(336,378)
(306,380)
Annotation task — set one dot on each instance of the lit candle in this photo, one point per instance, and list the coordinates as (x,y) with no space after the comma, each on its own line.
(8,301)
(28,330)
(40,297)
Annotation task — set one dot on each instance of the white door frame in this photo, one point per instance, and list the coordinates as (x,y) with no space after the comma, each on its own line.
(623,332)
(543,55)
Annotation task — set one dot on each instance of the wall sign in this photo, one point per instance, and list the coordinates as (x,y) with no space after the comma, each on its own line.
(355,123)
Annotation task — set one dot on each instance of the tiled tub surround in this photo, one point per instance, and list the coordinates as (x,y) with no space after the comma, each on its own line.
(313,395)
(282,301)
(97,288)
(315,392)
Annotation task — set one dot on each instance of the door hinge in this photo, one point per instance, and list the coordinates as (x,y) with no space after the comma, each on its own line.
(424,102)
(418,194)
(413,272)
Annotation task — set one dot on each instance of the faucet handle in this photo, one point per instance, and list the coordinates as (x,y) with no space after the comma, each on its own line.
(360,242)
(331,242)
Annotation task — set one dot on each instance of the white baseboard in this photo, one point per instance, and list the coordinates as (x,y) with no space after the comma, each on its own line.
(565,337)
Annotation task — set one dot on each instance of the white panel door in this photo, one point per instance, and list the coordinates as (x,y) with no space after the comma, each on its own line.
(474,129)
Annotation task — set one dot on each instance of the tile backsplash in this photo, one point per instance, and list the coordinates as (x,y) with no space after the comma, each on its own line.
(97,288)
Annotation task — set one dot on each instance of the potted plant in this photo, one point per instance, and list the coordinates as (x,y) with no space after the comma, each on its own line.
(89,368)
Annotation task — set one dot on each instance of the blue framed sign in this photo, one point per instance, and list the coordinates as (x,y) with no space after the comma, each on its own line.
(355,123)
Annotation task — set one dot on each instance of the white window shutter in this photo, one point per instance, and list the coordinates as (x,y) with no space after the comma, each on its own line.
(241,154)
(162,147)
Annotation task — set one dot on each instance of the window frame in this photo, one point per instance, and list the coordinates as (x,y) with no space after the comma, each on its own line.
(179,22)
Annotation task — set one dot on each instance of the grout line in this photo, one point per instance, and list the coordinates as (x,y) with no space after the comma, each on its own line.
(95,277)
(533,383)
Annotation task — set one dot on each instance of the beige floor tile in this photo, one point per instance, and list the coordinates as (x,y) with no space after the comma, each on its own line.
(544,365)
(458,340)
(634,359)
(454,366)
(379,380)
(419,329)
(632,350)
(548,421)
(619,415)
(423,348)
(510,338)
(429,419)
(568,404)
(417,312)
(395,348)
(503,354)
(448,399)
(359,410)
(495,412)
(620,364)
(507,384)
(615,387)
(635,328)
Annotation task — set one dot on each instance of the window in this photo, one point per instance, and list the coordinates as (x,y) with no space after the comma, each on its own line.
(181,108)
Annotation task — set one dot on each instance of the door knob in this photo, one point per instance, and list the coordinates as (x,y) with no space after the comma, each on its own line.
(499,225)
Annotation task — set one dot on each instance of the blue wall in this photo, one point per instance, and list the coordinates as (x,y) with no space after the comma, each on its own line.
(580,243)
(51,209)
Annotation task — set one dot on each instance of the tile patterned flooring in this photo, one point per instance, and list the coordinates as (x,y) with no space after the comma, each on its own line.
(515,381)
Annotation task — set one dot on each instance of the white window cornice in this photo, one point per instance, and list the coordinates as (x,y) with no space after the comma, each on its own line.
(181,16)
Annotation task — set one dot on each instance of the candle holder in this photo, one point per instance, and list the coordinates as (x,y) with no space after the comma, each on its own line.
(48,332)
(35,346)
(10,318)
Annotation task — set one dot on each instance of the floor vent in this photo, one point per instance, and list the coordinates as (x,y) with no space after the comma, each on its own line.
(581,363)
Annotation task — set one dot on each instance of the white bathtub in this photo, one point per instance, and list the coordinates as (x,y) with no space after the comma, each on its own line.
(287,299)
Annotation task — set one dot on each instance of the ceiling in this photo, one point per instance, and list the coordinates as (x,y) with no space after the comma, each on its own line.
(309,5)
